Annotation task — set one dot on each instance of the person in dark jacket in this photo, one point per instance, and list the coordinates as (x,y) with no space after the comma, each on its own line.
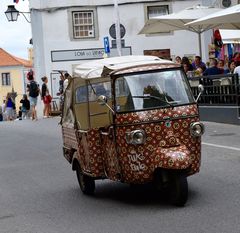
(25,106)
(213,69)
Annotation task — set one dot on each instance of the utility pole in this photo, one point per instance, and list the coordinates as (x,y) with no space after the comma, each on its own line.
(117,28)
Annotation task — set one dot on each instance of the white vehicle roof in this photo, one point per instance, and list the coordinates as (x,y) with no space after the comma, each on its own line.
(97,68)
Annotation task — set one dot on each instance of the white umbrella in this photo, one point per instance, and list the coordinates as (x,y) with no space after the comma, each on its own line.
(177,21)
(225,19)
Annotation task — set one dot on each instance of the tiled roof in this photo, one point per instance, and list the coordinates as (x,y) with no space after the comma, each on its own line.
(6,59)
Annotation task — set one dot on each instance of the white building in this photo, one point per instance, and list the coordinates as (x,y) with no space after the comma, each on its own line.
(69,32)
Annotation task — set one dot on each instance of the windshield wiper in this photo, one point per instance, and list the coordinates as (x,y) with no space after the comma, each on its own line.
(154,97)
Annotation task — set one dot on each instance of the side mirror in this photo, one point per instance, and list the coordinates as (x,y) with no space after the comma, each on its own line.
(200,89)
(102,100)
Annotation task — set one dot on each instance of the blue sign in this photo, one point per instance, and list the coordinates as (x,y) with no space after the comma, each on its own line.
(106,44)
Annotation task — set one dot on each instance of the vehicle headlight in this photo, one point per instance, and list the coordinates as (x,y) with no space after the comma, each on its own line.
(197,129)
(136,137)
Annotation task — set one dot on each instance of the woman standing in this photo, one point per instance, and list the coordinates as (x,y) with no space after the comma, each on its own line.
(46,98)
(9,107)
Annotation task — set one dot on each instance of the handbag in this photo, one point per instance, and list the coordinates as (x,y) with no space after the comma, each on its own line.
(48,99)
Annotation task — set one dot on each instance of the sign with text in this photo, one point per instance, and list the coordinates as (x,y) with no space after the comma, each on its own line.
(75,55)
(106,44)
(85,54)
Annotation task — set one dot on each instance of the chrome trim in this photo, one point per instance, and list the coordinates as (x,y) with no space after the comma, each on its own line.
(130,137)
(192,130)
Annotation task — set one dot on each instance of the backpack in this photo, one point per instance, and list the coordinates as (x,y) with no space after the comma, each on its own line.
(33,89)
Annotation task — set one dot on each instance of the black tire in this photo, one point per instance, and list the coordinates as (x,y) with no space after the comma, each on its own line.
(179,189)
(86,183)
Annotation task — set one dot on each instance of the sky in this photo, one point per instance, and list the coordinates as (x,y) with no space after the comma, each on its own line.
(15,36)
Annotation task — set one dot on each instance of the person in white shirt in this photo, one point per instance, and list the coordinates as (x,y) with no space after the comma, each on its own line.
(66,80)
(237,70)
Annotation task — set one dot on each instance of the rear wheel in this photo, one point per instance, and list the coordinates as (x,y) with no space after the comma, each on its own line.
(86,183)
(179,189)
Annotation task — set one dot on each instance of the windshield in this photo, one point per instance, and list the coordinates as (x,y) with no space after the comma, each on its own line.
(151,90)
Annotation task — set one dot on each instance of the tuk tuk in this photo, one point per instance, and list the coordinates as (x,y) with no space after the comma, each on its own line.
(132,119)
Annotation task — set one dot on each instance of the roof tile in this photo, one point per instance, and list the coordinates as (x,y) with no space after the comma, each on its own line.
(6,59)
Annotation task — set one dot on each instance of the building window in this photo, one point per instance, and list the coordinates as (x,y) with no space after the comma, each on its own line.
(153,11)
(83,24)
(6,81)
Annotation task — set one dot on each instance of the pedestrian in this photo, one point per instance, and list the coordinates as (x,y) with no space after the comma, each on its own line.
(67,77)
(60,93)
(20,113)
(33,91)
(236,57)
(178,60)
(237,69)
(4,110)
(231,67)
(9,108)
(185,60)
(187,70)
(46,98)
(221,65)
(25,106)
(1,113)
(213,69)
(198,63)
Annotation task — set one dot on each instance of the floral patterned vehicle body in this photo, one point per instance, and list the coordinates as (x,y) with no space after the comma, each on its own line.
(132,119)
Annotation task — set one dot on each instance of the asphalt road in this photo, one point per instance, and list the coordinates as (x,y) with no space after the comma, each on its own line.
(39,193)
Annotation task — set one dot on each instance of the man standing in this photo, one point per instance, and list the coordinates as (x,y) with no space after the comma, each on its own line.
(33,90)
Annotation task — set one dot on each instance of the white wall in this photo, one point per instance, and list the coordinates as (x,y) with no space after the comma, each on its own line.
(51,32)
(50,29)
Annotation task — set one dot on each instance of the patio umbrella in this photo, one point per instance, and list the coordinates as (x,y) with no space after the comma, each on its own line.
(225,19)
(178,21)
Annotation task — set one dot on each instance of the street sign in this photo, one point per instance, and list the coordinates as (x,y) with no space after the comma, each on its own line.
(112,31)
(106,44)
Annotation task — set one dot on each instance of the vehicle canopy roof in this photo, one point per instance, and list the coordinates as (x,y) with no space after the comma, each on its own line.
(104,67)
(99,70)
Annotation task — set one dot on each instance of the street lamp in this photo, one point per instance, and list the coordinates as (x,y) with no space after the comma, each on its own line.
(12,14)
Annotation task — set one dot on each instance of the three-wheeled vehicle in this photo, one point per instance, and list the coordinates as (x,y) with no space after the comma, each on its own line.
(132,119)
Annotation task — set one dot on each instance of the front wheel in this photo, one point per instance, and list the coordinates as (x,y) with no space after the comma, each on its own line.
(179,189)
(86,183)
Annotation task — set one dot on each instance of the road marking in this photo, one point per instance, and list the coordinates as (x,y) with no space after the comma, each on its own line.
(205,106)
(220,146)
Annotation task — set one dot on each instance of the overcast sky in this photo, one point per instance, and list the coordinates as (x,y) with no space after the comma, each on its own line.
(15,36)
